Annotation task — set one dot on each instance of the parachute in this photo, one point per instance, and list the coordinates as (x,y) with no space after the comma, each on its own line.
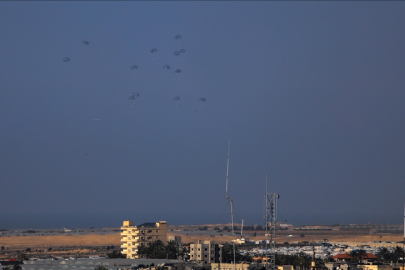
(182,50)
(136,94)
(134,67)
(177,37)
(176,98)
(131,97)
(166,66)
(66,59)
(153,50)
(176,53)
(202,99)
(85,42)
(178,71)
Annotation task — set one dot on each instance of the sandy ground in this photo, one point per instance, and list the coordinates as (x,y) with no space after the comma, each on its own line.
(60,240)
(114,239)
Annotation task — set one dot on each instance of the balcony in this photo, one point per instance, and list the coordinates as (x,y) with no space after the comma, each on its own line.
(124,246)
(124,239)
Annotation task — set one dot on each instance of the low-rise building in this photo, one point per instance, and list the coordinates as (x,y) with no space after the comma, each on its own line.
(206,252)
(345,257)
(229,266)
(142,235)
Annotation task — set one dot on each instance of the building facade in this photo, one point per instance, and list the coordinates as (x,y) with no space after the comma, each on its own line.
(229,266)
(132,237)
(206,252)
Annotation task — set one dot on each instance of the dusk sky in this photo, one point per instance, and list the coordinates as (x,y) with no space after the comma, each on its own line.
(311,92)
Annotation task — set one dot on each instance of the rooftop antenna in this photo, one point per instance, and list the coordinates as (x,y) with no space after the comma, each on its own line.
(270,211)
(231,201)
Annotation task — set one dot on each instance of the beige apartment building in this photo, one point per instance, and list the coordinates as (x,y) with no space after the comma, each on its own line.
(142,235)
(206,252)
(229,266)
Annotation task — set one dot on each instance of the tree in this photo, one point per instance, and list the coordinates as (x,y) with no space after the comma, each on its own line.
(22,256)
(247,258)
(15,267)
(383,254)
(156,250)
(361,254)
(227,253)
(398,253)
(172,250)
(353,255)
(115,254)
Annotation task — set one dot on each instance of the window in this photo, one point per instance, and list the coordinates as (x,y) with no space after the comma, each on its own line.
(205,255)
(205,249)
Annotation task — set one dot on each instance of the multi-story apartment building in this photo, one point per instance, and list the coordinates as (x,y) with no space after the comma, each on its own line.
(206,252)
(142,235)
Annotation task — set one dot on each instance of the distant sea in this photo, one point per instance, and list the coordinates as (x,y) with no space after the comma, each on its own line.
(102,220)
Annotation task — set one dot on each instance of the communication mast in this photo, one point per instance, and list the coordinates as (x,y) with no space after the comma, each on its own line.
(403,259)
(270,212)
(231,202)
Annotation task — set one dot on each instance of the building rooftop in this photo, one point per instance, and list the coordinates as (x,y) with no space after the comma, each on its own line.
(147,224)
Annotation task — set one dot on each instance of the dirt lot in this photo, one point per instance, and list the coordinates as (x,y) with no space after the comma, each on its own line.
(60,240)
(195,233)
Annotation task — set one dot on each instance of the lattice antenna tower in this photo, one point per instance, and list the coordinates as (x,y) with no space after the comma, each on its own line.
(231,202)
(270,211)
(403,258)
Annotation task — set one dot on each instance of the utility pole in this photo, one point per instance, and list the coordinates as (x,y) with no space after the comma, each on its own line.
(231,201)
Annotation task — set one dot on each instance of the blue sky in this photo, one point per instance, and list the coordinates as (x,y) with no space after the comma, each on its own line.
(311,92)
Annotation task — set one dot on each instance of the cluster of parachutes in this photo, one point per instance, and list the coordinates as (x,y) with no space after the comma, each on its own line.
(134,95)
(133,67)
